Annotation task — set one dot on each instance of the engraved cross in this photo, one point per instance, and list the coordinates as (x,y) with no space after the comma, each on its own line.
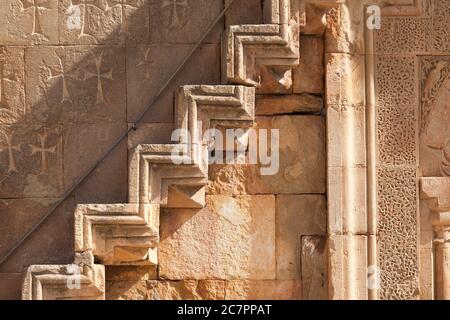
(175,5)
(43,151)
(36,5)
(11,148)
(63,76)
(99,75)
(86,4)
(123,17)
(3,80)
(146,62)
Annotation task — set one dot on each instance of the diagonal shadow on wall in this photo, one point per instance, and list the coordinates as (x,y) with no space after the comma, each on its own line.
(78,97)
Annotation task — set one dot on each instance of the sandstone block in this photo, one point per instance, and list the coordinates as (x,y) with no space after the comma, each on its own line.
(314,268)
(150,133)
(244,12)
(308,76)
(166,290)
(263,290)
(75,84)
(171,21)
(267,105)
(147,64)
(348,256)
(108,22)
(186,290)
(296,216)
(340,35)
(131,273)
(230,180)
(427,287)
(51,243)
(302,161)
(126,290)
(240,243)
(31,161)
(347,200)
(108,184)
(11,286)
(12,85)
(344,83)
(24,22)
(347,124)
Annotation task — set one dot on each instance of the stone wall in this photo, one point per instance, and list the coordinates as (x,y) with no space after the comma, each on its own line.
(69,91)
(362,117)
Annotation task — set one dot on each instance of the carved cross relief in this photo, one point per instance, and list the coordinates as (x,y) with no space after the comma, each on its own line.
(100,76)
(10,148)
(63,75)
(3,80)
(146,62)
(175,7)
(87,5)
(36,6)
(43,150)
(123,4)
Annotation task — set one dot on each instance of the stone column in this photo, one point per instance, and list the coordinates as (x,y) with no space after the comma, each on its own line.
(437,193)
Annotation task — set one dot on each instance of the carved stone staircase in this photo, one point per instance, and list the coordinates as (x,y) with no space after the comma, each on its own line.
(169,175)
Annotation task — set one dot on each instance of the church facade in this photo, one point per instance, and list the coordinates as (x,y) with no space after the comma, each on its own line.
(220,149)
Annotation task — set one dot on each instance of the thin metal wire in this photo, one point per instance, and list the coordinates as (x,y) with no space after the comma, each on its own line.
(120,139)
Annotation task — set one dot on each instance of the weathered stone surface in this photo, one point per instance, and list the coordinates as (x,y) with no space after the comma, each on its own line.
(263,290)
(267,105)
(309,75)
(240,243)
(153,133)
(230,180)
(31,161)
(346,207)
(296,217)
(301,169)
(75,84)
(52,242)
(12,85)
(11,285)
(126,290)
(348,256)
(244,12)
(277,49)
(314,268)
(171,21)
(341,90)
(166,290)
(186,290)
(118,234)
(302,162)
(56,282)
(108,184)
(25,23)
(149,67)
(341,35)
(108,22)
(427,287)
(131,273)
